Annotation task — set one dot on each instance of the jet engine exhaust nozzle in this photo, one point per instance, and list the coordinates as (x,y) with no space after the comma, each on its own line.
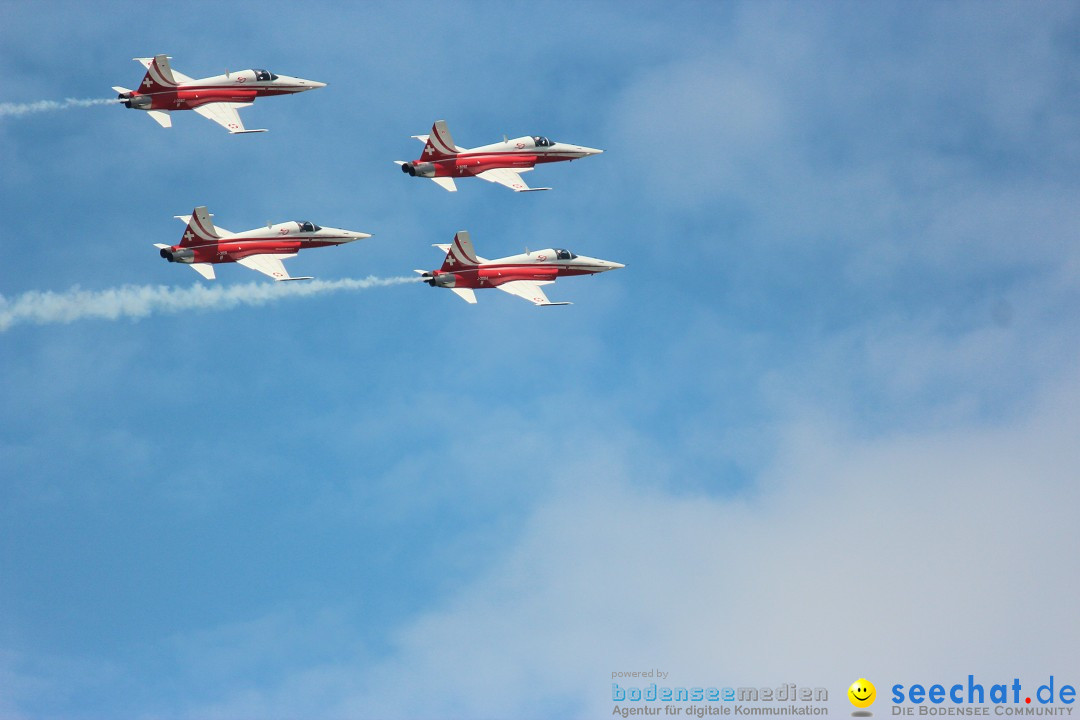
(425,170)
(140,102)
(181,256)
(442,279)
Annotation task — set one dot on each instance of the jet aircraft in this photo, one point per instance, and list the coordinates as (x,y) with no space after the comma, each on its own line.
(501,163)
(463,271)
(204,245)
(164,90)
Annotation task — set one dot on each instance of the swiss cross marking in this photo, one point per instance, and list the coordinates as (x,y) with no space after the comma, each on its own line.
(147,82)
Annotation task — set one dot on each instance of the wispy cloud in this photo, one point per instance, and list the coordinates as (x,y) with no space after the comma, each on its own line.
(40,106)
(138,301)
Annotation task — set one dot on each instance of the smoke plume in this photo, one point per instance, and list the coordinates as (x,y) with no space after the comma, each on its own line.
(139,301)
(16,109)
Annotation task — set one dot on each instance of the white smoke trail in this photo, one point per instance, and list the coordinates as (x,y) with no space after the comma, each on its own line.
(139,301)
(16,109)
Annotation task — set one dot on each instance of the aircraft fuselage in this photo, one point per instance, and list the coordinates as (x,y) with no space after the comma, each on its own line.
(211,90)
(540,266)
(283,239)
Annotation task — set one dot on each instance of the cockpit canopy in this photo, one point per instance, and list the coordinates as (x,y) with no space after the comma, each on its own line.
(542,141)
(306,226)
(564,255)
(265,75)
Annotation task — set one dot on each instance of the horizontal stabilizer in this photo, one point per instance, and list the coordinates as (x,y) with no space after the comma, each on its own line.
(204,269)
(446,183)
(465,294)
(162,117)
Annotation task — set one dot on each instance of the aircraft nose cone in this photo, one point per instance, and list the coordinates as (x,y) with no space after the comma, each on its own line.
(315,84)
(351,236)
(615,265)
(591,151)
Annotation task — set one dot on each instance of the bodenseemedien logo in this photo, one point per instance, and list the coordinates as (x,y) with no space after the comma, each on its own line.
(862,695)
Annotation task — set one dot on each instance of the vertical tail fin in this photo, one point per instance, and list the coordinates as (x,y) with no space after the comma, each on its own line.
(460,254)
(159,75)
(439,144)
(200,228)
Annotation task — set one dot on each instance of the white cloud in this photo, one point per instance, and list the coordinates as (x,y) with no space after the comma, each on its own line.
(906,557)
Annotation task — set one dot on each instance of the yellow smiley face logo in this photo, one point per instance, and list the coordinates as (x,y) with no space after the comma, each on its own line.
(862,693)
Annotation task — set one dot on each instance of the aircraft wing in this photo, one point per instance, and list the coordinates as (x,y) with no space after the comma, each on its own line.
(529,290)
(270,265)
(225,115)
(509,178)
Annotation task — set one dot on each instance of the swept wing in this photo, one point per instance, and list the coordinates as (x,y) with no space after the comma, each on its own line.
(270,265)
(529,290)
(509,177)
(225,115)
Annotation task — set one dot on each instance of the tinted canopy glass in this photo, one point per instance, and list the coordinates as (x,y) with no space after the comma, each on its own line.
(265,75)
(306,226)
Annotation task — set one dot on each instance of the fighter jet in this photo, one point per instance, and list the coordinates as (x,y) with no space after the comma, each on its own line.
(463,271)
(204,245)
(501,163)
(164,90)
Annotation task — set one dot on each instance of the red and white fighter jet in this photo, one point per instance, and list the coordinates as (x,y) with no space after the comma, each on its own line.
(502,163)
(164,90)
(463,271)
(204,245)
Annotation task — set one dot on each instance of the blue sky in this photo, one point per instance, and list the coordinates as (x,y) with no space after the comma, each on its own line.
(822,426)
